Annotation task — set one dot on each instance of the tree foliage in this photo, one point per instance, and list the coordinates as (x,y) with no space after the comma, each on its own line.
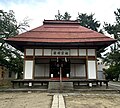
(113,72)
(85,20)
(65,17)
(58,16)
(88,21)
(113,58)
(9,27)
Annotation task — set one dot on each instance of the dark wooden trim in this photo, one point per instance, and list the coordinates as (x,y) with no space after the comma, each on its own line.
(86,64)
(24,53)
(24,69)
(61,46)
(44,69)
(77,51)
(96,64)
(91,58)
(81,57)
(29,58)
(43,51)
(74,70)
(33,63)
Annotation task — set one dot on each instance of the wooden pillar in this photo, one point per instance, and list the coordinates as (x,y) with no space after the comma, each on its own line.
(96,64)
(86,64)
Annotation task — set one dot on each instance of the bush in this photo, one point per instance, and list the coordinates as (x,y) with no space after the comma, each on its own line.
(113,72)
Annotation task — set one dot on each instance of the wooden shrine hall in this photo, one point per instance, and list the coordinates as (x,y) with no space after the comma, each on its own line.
(60,50)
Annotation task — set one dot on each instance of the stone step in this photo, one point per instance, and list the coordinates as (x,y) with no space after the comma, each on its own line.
(63,85)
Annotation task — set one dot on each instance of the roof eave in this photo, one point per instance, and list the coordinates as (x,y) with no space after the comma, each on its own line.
(98,45)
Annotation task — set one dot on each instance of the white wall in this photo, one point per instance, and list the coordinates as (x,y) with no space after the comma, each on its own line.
(28,73)
(47,52)
(91,52)
(74,52)
(91,69)
(100,64)
(38,52)
(29,52)
(82,52)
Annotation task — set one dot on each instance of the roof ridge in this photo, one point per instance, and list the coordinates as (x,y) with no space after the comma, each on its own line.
(63,31)
(60,22)
(60,37)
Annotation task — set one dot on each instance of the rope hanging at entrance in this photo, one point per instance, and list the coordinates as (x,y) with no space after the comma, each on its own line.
(65,59)
(58,59)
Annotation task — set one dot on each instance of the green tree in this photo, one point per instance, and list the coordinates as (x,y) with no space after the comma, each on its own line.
(112,58)
(85,20)
(66,16)
(114,29)
(113,72)
(9,27)
(58,16)
(88,21)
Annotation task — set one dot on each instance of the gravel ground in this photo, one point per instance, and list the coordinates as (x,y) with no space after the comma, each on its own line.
(25,100)
(72,100)
(93,101)
(78,99)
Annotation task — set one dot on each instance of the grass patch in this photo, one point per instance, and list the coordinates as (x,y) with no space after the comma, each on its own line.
(5,83)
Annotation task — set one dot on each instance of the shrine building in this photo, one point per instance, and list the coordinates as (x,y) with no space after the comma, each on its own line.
(60,49)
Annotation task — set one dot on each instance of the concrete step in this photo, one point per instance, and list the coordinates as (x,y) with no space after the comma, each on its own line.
(63,85)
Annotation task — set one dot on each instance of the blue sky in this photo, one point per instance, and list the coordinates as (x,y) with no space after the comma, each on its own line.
(38,10)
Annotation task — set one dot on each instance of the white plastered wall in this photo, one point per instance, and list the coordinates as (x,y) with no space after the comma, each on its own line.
(91,52)
(82,52)
(38,52)
(47,52)
(29,52)
(74,52)
(91,69)
(28,72)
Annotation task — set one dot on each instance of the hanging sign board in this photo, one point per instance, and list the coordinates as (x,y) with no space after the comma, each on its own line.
(58,52)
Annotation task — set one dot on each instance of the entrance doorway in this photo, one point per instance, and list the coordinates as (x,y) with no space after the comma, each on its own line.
(56,64)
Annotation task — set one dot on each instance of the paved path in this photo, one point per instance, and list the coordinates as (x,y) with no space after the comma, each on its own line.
(115,85)
(58,101)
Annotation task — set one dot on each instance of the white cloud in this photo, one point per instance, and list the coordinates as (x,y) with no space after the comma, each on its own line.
(38,10)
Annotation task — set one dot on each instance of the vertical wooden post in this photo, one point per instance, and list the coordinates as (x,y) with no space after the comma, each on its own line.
(86,64)
(60,79)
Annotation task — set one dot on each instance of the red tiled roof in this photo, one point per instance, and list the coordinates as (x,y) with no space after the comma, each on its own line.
(53,31)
